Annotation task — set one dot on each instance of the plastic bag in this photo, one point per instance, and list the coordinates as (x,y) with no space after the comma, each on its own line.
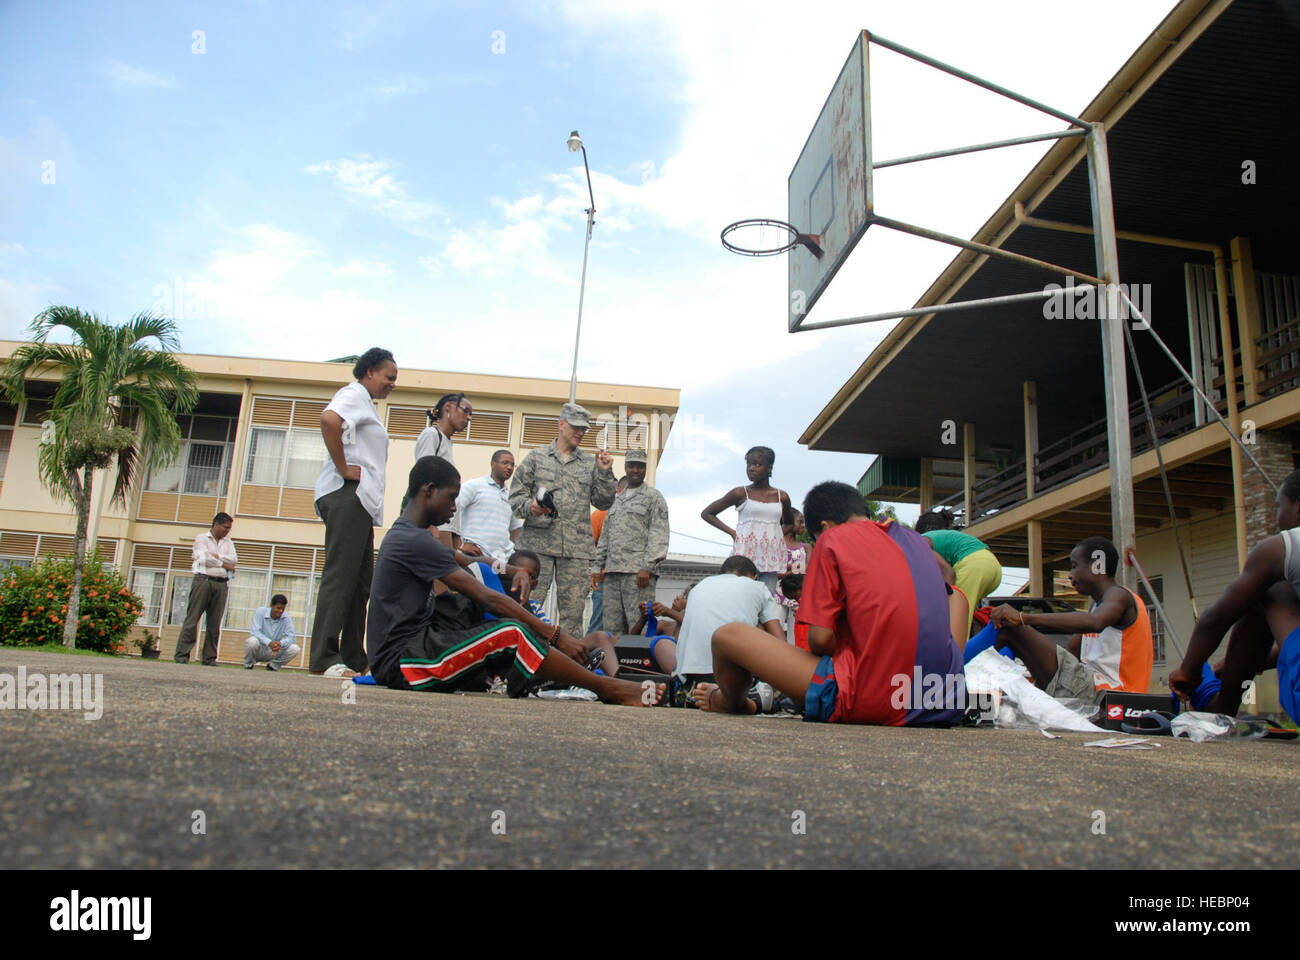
(1032,707)
(1197,727)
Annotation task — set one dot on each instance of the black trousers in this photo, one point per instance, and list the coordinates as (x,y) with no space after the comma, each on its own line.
(339,626)
(207,597)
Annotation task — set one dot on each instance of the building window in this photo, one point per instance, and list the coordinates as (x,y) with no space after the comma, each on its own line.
(202,467)
(38,402)
(1157,625)
(285,447)
(284,458)
(149,586)
(486,426)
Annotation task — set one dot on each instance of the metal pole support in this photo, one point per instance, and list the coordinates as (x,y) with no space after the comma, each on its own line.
(1115,370)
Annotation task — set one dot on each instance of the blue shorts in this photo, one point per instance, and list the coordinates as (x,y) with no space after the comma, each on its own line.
(1288,674)
(819,701)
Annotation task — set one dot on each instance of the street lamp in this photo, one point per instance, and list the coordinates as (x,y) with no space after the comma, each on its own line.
(575,144)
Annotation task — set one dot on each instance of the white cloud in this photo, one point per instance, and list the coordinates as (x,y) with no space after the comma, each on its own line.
(409,84)
(127,75)
(370,185)
(12,250)
(365,269)
(268,285)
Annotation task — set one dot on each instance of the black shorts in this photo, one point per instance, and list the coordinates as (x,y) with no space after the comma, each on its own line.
(467,657)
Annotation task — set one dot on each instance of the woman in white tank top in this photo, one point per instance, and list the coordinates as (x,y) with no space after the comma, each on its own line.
(761,509)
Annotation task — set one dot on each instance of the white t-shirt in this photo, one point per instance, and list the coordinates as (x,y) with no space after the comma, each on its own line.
(432,442)
(365,444)
(713,602)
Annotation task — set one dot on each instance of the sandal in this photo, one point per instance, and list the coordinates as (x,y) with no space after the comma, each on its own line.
(1156,723)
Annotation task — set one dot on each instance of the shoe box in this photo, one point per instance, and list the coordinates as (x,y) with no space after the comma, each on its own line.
(634,651)
(1118,708)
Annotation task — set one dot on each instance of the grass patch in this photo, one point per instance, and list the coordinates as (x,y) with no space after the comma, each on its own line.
(55,648)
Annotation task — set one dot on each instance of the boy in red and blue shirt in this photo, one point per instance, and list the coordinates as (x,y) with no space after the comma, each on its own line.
(880,646)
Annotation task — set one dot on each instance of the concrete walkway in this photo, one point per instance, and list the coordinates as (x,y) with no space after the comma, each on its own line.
(287,774)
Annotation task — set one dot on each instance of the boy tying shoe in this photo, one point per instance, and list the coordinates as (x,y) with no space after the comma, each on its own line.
(876,609)
(1113,649)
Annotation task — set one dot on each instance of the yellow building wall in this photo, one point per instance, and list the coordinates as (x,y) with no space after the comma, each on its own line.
(25,506)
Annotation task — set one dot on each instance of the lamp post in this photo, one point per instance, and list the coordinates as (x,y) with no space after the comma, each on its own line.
(575,144)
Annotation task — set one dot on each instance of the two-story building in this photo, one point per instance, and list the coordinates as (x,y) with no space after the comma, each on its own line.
(252,447)
(999,412)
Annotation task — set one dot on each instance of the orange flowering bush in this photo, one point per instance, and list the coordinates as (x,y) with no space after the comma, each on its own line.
(34,604)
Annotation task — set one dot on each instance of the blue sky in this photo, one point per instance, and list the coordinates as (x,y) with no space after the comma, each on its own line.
(322,177)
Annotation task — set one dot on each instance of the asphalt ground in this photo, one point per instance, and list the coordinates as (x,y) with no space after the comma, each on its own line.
(288,774)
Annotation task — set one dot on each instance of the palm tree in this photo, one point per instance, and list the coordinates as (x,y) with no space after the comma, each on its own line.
(117,401)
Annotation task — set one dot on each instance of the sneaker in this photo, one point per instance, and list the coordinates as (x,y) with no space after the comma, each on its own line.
(248,666)
(272,667)
(763,696)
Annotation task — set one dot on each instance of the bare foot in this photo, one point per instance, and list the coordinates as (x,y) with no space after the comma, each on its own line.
(703,695)
(625,693)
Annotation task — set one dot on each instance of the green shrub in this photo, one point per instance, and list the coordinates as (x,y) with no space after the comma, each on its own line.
(34,603)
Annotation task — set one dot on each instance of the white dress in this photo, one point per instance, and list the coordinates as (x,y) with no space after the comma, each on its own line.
(758,534)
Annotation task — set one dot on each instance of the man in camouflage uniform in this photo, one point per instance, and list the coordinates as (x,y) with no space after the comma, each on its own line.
(632,545)
(577,481)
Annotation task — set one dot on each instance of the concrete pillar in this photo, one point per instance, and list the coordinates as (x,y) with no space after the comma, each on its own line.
(1273,451)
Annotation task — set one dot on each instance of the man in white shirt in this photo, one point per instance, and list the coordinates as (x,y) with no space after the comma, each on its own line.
(214,563)
(270,638)
(487,525)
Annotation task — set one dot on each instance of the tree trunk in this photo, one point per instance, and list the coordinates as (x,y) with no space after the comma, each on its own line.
(82,502)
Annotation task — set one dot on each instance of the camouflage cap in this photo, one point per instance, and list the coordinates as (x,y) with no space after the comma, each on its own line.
(634,456)
(576,416)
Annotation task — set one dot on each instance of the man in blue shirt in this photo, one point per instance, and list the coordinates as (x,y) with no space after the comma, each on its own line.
(270,638)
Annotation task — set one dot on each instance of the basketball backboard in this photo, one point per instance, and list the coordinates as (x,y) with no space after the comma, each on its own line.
(830,185)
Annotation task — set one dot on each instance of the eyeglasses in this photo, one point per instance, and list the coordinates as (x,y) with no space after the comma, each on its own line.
(467,410)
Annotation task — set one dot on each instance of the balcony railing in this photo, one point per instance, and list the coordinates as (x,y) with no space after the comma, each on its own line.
(1084,451)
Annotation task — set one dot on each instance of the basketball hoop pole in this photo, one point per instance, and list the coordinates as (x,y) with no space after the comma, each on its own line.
(1114,369)
(1112,318)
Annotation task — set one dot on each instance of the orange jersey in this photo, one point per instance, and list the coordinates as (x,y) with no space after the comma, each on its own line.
(1121,659)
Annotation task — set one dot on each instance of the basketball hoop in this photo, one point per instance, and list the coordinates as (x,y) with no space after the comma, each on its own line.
(766,238)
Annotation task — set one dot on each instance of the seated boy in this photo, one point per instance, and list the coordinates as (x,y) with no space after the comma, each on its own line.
(877,614)
(530,563)
(1113,649)
(1263,604)
(733,596)
(407,648)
